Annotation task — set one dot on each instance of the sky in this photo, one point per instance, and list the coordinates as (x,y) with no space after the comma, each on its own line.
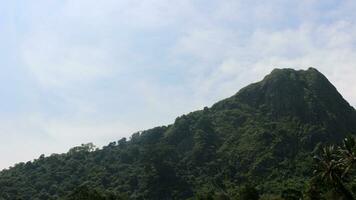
(82,71)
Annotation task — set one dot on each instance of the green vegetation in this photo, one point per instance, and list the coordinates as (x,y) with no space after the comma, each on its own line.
(257,144)
(87,192)
(336,168)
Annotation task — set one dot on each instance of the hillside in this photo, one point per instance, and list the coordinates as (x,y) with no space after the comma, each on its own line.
(264,135)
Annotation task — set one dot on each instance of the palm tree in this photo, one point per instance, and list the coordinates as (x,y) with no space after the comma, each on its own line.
(333,167)
(329,166)
(348,155)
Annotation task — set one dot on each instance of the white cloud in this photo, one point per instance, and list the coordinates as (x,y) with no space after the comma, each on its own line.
(330,48)
(108,68)
(55,62)
(31,135)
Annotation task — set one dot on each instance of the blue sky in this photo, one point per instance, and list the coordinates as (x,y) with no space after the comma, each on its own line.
(95,71)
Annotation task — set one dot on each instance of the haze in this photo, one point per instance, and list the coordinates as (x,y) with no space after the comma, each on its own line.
(87,71)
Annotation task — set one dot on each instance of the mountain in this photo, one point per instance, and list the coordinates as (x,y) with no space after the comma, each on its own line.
(264,135)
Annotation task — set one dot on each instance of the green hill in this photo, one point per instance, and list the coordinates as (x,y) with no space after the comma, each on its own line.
(264,136)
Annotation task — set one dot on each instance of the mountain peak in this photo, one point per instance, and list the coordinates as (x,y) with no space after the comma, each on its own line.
(306,95)
(295,75)
(289,86)
(310,69)
(266,133)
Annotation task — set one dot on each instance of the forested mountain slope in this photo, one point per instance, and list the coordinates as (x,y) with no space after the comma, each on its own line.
(264,135)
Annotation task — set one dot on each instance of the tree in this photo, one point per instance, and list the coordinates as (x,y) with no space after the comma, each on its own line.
(249,192)
(291,194)
(314,191)
(86,192)
(334,165)
(348,155)
(89,147)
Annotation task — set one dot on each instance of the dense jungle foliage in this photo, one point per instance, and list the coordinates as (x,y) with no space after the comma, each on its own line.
(257,144)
